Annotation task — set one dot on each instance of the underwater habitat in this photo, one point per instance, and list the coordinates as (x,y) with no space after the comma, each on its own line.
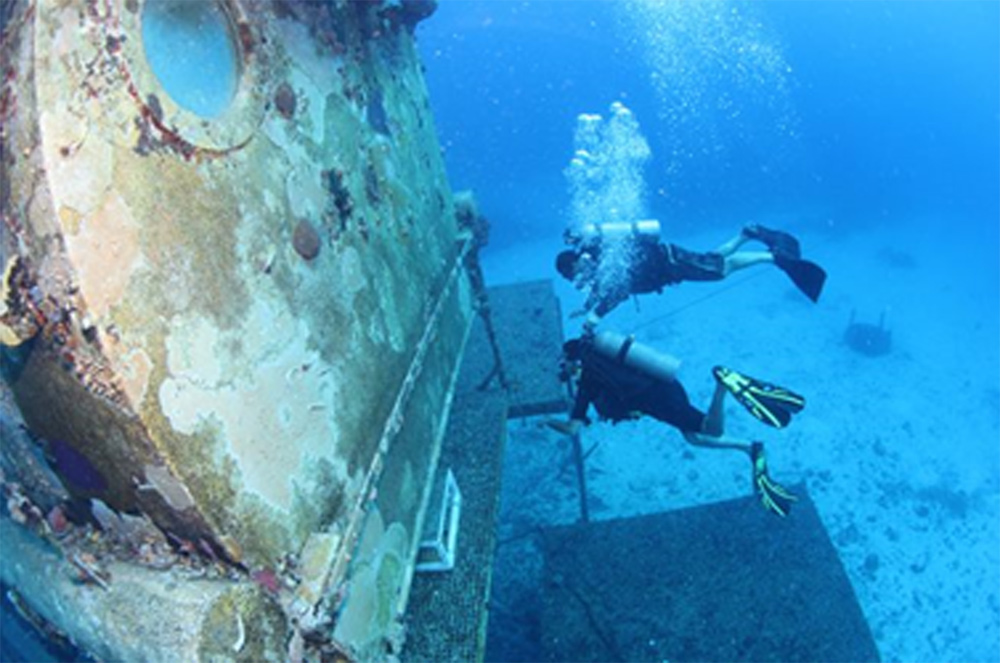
(499,330)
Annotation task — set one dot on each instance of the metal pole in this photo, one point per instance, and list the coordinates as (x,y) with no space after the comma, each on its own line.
(581,478)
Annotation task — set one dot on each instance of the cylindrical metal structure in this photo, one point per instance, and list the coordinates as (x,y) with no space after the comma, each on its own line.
(232,292)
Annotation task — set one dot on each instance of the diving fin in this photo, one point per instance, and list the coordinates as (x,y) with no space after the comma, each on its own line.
(770,403)
(779,242)
(807,276)
(773,495)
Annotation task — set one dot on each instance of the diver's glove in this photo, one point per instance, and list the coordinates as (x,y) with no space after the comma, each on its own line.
(772,495)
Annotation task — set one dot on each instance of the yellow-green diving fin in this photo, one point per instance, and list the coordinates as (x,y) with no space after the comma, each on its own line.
(773,495)
(770,403)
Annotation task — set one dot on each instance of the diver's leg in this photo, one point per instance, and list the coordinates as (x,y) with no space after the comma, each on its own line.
(713,426)
(775,240)
(716,442)
(714,423)
(744,259)
(730,247)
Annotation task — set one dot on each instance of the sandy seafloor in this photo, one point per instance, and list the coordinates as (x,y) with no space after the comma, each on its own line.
(900,453)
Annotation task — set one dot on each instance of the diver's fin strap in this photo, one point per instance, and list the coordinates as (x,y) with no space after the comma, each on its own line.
(771,404)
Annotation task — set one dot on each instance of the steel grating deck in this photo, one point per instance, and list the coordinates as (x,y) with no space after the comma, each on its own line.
(447,611)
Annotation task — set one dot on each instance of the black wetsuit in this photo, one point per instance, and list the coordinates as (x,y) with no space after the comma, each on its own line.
(620,392)
(651,267)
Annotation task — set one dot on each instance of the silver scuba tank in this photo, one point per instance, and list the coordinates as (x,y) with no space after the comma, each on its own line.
(626,350)
(615,230)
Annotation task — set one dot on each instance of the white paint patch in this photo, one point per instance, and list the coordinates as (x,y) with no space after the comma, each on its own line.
(304,187)
(105,252)
(193,352)
(351,278)
(262,399)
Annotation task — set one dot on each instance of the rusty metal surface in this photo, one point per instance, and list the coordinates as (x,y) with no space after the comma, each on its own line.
(219,305)
(217,322)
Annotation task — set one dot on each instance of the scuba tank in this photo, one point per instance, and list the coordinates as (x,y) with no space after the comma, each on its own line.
(626,350)
(646,229)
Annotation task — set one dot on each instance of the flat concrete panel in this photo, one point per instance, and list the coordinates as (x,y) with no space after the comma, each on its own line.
(725,582)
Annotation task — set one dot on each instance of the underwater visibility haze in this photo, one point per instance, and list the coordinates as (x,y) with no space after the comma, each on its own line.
(835,163)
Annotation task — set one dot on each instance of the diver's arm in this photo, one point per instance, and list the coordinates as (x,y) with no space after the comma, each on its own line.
(593,297)
(605,301)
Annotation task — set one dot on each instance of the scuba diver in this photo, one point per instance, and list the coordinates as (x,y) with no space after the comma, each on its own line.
(624,379)
(648,265)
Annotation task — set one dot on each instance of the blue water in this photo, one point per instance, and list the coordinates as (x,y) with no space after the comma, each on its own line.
(20,641)
(891,106)
(853,122)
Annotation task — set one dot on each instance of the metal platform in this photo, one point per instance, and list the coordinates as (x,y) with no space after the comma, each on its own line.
(528,323)
(724,582)
(447,614)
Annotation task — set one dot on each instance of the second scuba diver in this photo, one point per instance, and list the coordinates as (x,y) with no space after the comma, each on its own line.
(624,379)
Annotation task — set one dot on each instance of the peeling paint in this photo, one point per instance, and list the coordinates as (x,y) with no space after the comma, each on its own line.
(371,603)
(135,368)
(265,417)
(193,353)
(304,190)
(252,389)
(106,237)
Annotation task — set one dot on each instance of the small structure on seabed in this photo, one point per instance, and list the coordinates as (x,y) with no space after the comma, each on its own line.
(868,339)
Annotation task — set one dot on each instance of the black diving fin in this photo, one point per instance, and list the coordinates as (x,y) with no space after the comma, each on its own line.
(777,241)
(807,276)
(772,404)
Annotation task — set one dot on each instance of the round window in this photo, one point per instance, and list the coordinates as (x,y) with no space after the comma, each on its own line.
(190,47)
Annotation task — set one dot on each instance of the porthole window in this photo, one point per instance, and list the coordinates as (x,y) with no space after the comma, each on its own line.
(191,49)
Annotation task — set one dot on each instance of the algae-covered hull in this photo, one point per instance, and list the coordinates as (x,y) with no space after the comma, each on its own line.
(233,298)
